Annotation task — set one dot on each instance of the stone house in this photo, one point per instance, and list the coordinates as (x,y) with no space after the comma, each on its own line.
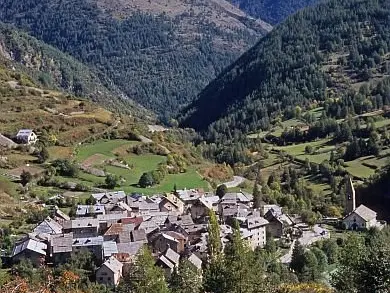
(30,249)
(48,226)
(169,239)
(82,228)
(279,223)
(110,272)
(60,247)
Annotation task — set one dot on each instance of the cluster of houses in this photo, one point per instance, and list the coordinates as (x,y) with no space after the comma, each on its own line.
(173,225)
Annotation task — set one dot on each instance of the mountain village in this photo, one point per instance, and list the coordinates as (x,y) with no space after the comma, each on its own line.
(174,226)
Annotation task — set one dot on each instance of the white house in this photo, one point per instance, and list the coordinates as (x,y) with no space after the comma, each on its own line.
(26,136)
(360,219)
(110,272)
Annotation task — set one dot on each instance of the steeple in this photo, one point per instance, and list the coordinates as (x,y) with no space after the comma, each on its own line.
(350,196)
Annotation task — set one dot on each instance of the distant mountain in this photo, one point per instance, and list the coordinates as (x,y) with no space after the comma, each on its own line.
(272,11)
(53,69)
(161,54)
(324,52)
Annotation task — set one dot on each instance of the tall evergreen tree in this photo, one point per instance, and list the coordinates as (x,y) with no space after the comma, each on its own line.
(144,276)
(186,278)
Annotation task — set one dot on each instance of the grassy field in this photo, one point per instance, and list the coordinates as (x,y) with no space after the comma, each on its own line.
(277,130)
(104,147)
(139,164)
(299,149)
(356,168)
(59,152)
(316,158)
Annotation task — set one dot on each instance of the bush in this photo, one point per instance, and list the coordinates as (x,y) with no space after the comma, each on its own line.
(65,168)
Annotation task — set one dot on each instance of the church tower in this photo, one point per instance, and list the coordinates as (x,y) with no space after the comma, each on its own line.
(350,197)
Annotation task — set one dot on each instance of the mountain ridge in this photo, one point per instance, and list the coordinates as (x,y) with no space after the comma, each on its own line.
(147,56)
(295,64)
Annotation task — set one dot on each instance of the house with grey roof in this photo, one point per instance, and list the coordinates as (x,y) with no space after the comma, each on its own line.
(110,272)
(166,240)
(60,247)
(256,225)
(195,260)
(362,218)
(30,249)
(202,206)
(90,210)
(168,261)
(109,197)
(278,222)
(109,248)
(82,227)
(128,251)
(48,226)
(93,244)
(26,136)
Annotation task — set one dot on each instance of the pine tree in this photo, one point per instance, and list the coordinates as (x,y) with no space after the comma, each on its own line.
(186,278)
(214,240)
(144,276)
(243,273)
(214,277)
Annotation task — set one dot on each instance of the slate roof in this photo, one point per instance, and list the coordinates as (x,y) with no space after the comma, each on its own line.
(113,264)
(238,197)
(83,210)
(131,248)
(166,261)
(196,261)
(255,221)
(366,213)
(149,226)
(81,223)
(90,241)
(138,235)
(209,201)
(109,248)
(111,217)
(48,226)
(118,228)
(31,245)
(173,256)
(113,195)
(61,243)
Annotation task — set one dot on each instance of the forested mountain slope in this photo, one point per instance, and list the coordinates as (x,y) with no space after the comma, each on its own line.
(160,54)
(272,11)
(53,69)
(327,51)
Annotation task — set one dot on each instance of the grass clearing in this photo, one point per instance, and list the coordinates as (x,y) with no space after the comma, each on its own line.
(59,152)
(104,147)
(299,149)
(356,168)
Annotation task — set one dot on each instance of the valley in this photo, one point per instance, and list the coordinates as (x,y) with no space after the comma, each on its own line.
(192,146)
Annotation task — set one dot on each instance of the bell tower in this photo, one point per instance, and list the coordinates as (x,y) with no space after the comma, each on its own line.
(350,197)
